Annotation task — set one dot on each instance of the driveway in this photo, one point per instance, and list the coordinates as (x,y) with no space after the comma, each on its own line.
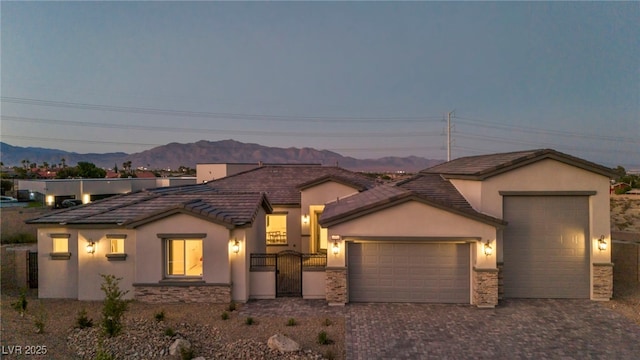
(517,329)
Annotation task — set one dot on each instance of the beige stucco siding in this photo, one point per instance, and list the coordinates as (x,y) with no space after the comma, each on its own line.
(552,175)
(57,278)
(415,219)
(92,265)
(215,247)
(252,240)
(293,229)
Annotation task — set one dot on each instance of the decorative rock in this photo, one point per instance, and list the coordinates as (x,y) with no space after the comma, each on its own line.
(174,349)
(282,343)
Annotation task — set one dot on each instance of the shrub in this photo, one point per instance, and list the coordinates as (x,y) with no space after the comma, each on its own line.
(249,321)
(159,316)
(82,321)
(114,305)
(169,332)
(103,355)
(323,338)
(187,354)
(40,320)
(232,306)
(21,304)
(291,322)
(326,322)
(225,315)
(19,238)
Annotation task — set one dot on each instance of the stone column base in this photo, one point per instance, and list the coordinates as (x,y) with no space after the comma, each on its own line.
(485,287)
(336,286)
(602,281)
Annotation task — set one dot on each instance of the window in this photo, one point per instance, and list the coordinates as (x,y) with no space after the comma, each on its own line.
(60,246)
(320,234)
(277,229)
(184,257)
(116,247)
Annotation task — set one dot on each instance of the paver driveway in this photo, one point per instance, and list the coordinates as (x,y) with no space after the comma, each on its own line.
(517,329)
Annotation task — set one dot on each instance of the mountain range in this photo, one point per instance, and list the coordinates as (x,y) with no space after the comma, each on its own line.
(174,155)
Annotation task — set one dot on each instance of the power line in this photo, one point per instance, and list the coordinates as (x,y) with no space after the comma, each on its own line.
(200,114)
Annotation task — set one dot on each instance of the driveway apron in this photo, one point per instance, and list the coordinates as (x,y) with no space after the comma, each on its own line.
(516,329)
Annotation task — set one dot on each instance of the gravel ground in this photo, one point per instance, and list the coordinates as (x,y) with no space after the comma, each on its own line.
(145,338)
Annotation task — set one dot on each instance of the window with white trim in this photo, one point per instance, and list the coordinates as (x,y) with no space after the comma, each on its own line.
(116,247)
(60,246)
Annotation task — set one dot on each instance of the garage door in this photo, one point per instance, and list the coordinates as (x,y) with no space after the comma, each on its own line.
(545,247)
(408,272)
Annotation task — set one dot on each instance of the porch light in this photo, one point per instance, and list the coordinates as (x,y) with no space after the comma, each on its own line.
(602,244)
(335,248)
(488,250)
(235,247)
(91,247)
(305,219)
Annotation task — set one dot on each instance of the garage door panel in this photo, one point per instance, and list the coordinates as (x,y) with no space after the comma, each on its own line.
(545,247)
(418,272)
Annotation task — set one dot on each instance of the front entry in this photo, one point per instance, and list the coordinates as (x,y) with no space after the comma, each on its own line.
(289,274)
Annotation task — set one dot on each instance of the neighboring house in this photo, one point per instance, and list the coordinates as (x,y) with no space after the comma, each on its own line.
(537,220)
(619,186)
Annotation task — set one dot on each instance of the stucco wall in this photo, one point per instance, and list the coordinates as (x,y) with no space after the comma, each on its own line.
(57,278)
(314,284)
(415,219)
(263,285)
(293,230)
(150,267)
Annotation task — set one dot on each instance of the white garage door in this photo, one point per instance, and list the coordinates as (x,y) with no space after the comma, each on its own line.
(545,247)
(408,272)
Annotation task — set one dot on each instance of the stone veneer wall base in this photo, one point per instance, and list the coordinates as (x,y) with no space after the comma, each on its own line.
(336,286)
(485,287)
(602,281)
(182,293)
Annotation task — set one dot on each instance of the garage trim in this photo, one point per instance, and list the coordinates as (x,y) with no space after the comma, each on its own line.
(547,193)
(413,239)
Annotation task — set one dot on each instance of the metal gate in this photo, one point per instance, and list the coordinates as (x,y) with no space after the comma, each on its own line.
(33,270)
(289,274)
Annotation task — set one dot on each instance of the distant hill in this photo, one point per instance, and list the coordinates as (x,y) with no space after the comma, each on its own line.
(174,155)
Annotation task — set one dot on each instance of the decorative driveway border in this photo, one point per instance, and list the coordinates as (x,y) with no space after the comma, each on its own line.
(516,329)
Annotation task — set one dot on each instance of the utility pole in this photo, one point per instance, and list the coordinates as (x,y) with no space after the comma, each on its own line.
(449,134)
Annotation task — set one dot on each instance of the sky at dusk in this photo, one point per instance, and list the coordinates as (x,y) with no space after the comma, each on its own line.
(365,79)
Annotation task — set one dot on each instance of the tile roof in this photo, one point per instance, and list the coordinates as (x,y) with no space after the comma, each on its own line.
(282,183)
(229,208)
(483,166)
(432,189)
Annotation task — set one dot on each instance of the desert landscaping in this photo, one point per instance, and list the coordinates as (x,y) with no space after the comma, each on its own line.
(215,331)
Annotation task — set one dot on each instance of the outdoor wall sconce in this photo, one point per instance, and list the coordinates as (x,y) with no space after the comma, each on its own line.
(602,244)
(305,219)
(235,247)
(91,247)
(488,250)
(335,248)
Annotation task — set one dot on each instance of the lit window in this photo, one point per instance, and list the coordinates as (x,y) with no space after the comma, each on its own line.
(117,246)
(60,244)
(277,229)
(60,247)
(184,257)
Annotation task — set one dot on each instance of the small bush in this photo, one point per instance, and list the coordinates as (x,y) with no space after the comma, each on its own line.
(41,320)
(19,238)
(326,322)
(249,321)
(169,332)
(187,354)
(232,306)
(82,321)
(291,322)
(159,316)
(114,305)
(323,338)
(21,304)
(225,315)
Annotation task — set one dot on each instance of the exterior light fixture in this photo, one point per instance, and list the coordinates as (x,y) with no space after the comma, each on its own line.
(488,250)
(305,219)
(335,248)
(235,247)
(91,247)
(602,244)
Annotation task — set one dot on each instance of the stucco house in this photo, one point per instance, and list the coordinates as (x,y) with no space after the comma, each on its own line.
(531,224)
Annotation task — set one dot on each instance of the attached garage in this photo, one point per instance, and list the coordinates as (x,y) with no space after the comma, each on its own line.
(546,247)
(408,272)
